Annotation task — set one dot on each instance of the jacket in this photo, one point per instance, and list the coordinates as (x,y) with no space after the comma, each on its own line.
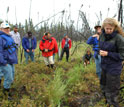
(63,42)
(47,44)
(114,44)
(95,42)
(25,43)
(7,50)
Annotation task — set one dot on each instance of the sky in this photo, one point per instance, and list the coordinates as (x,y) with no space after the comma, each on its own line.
(42,9)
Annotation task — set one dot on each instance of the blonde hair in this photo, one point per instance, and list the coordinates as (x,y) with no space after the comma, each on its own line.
(115,23)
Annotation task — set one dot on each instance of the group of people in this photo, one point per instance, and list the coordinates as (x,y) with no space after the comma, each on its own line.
(9,44)
(108,47)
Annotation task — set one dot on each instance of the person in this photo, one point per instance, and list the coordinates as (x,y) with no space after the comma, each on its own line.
(94,40)
(16,36)
(29,43)
(8,58)
(55,45)
(87,57)
(112,52)
(66,46)
(47,47)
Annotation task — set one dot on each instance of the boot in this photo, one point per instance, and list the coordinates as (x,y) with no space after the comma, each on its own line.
(52,65)
(7,93)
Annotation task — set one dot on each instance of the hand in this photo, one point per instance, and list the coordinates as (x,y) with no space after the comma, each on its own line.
(28,50)
(46,50)
(96,35)
(103,53)
(88,62)
(32,50)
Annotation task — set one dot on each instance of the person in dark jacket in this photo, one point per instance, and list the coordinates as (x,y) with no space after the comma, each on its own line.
(87,57)
(112,52)
(94,40)
(8,57)
(29,44)
(66,46)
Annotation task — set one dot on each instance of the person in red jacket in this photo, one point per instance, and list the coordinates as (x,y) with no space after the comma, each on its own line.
(66,45)
(47,48)
(55,51)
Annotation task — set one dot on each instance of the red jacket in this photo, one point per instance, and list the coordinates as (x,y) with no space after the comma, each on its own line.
(55,46)
(63,42)
(47,44)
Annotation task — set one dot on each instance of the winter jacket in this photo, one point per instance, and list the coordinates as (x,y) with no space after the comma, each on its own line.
(26,44)
(7,50)
(114,44)
(94,41)
(63,42)
(47,44)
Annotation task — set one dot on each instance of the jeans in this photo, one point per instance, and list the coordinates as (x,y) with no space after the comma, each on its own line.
(27,55)
(8,73)
(67,53)
(98,66)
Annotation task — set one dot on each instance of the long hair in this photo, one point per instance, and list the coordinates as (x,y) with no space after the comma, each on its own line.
(115,23)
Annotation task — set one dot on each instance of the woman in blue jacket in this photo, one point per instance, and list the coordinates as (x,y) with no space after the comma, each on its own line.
(8,57)
(94,40)
(112,54)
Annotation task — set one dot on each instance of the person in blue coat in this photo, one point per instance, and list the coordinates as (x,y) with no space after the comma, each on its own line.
(94,40)
(29,44)
(8,57)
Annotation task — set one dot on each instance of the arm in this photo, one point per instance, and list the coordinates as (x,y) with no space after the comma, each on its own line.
(2,60)
(70,44)
(23,44)
(35,43)
(62,44)
(90,40)
(19,40)
(56,46)
(41,46)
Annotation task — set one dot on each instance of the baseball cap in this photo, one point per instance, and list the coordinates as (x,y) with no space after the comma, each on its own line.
(5,25)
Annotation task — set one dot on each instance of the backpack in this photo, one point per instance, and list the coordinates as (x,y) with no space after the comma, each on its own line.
(10,44)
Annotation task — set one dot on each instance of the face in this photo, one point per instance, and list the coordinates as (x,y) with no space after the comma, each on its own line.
(15,29)
(66,36)
(49,36)
(109,29)
(6,30)
(88,53)
(99,31)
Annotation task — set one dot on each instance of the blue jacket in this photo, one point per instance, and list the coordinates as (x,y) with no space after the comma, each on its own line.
(114,44)
(25,43)
(94,41)
(7,50)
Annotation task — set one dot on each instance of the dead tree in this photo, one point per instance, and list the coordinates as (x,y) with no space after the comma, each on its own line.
(120,12)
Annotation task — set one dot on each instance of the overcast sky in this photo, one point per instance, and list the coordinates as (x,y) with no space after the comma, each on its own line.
(47,8)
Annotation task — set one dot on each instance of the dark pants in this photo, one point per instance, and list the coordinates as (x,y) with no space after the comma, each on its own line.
(110,85)
(67,53)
